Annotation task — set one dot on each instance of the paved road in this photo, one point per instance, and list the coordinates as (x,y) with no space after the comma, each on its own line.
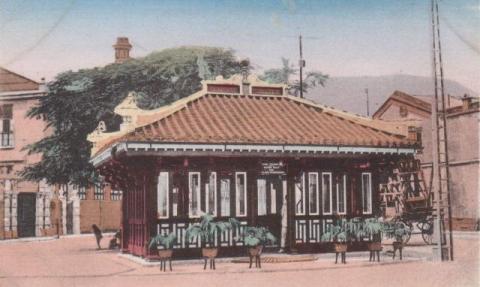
(76,262)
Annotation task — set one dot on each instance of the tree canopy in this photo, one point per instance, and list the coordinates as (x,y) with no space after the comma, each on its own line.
(78,100)
(284,74)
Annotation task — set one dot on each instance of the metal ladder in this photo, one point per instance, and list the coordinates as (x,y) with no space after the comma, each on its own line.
(443,239)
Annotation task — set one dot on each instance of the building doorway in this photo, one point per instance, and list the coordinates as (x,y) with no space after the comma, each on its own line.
(270,192)
(26,214)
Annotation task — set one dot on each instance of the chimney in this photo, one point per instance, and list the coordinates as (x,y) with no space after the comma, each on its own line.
(466,102)
(122,50)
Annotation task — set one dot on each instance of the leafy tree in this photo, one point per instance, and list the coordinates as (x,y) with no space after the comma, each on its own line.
(287,71)
(77,101)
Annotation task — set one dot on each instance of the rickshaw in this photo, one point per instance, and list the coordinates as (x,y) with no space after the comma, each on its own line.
(405,199)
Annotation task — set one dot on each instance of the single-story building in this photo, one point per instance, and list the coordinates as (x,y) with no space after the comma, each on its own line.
(244,148)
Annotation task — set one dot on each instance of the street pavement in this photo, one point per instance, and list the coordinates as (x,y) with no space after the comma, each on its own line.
(75,261)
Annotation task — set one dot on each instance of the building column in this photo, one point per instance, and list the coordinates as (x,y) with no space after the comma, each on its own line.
(292,171)
(2,209)
(76,211)
(39,213)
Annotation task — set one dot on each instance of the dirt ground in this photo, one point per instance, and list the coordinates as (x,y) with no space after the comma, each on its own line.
(74,261)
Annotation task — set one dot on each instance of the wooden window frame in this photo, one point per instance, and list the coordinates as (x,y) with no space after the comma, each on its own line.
(343,177)
(316,192)
(331,194)
(229,203)
(258,196)
(207,193)
(167,195)
(302,181)
(237,197)
(190,194)
(369,174)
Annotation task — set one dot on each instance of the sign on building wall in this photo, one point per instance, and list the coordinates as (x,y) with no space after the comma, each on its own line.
(275,167)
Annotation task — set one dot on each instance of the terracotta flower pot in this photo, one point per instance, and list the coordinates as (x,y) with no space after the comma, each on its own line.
(255,251)
(165,253)
(340,247)
(210,252)
(374,246)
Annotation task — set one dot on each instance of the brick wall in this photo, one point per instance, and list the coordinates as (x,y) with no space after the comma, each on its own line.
(105,213)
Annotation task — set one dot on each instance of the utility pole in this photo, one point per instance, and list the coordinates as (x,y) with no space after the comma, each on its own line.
(442,212)
(301,63)
(368,102)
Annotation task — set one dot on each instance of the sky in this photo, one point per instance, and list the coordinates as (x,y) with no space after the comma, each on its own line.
(42,38)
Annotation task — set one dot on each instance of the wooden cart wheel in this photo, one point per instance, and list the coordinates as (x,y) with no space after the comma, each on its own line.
(427,231)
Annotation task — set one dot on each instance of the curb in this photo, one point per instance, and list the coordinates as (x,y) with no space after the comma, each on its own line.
(321,258)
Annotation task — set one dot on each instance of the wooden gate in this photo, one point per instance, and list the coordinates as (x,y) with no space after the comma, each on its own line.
(26,214)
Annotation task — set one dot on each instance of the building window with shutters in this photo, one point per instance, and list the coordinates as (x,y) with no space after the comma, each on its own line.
(115,194)
(82,193)
(6,126)
(98,192)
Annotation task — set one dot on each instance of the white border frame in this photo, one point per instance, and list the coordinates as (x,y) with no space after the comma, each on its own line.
(304,203)
(237,198)
(207,188)
(363,193)
(168,195)
(331,194)
(190,194)
(344,179)
(316,191)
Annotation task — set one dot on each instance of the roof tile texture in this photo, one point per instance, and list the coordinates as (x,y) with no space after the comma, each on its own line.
(240,119)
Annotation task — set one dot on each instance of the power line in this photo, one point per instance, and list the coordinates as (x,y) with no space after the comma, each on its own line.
(43,37)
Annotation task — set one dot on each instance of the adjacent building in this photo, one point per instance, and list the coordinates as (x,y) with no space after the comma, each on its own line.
(463,147)
(25,206)
(246,149)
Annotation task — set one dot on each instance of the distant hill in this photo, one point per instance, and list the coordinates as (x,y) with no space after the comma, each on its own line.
(348,93)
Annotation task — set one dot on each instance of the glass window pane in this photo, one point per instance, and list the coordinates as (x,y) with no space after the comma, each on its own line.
(162,195)
(313,193)
(212,194)
(341,194)
(300,195)
(327,193)
(194,193)
(225,197)
(262,196)
(240,183)
(273,198)
(366,192)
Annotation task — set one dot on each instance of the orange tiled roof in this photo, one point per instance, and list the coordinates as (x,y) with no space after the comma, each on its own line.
(247,119)
(10,82)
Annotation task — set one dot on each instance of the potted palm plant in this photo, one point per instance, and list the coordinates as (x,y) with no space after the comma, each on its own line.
(372,228)
(255,238)
(338,234)
(162,244)
(398,231)
(207,230)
